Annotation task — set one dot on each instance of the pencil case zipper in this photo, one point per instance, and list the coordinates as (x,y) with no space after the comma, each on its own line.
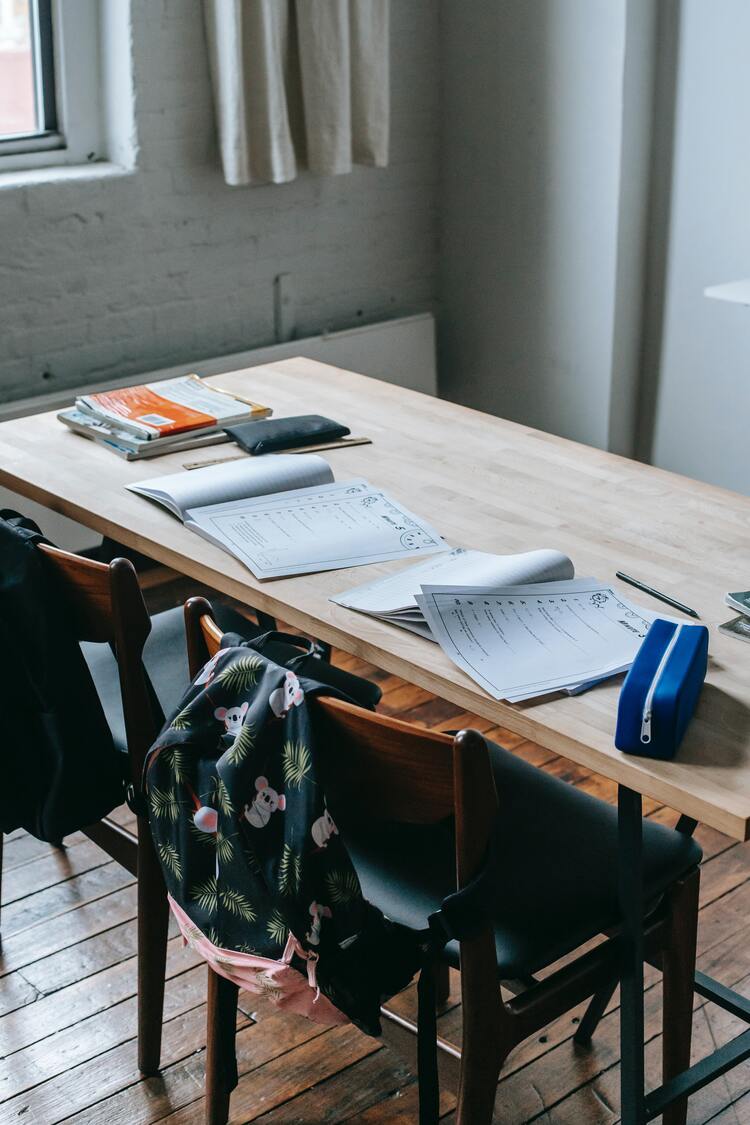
(649,700)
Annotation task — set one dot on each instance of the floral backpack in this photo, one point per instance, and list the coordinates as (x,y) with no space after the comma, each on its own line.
(258,876)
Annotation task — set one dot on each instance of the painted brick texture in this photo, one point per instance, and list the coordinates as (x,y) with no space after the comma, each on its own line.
(165,265)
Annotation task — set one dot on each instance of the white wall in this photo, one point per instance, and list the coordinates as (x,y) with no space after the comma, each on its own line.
(533,171)
(596,177)
(531,156)
(699,372)
(105,276)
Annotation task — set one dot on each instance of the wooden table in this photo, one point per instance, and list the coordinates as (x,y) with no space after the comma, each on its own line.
(496,486)
(483,483)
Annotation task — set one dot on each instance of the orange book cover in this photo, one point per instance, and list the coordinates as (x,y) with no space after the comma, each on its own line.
(145,406)
(169,407)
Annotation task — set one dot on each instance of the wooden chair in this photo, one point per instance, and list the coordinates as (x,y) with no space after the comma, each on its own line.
(416,810)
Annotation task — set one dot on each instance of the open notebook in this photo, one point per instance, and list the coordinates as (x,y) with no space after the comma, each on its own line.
(283,514)
(394,598)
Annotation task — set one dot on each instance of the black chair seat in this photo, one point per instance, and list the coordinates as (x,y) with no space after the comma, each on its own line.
(165,657)
(559,885)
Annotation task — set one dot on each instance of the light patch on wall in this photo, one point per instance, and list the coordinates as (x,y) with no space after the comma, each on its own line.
(118,91)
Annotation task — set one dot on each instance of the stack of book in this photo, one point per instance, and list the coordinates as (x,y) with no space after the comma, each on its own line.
(739,626)
(164,417)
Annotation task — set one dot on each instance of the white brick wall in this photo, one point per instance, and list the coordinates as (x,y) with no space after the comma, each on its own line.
(110,276)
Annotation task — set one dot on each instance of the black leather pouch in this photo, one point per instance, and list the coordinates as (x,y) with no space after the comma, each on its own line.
(271,434)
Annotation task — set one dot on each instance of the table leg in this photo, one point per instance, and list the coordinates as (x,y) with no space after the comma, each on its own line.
(637,1108)
(630,888)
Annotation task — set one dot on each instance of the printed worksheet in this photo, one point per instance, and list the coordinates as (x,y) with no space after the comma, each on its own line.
(393,598)
(518,642)
(326,527)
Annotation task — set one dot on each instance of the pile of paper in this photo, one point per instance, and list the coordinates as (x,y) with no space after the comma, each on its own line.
(519,642)
(394,598)
(520,625)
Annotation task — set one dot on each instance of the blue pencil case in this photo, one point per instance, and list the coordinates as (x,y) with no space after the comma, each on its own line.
(661,689)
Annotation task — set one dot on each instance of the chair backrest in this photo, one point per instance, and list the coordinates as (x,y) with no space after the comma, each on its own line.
(387,769)
(104,603)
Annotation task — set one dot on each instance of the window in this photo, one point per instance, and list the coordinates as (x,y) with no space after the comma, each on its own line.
(49,83)
(28,114)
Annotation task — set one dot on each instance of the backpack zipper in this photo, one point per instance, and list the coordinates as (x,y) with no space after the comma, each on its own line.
(648,701)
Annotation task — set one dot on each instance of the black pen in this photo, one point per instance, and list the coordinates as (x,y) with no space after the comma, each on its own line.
(656,594)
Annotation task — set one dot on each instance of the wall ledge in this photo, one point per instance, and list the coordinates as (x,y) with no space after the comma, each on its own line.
(76,173)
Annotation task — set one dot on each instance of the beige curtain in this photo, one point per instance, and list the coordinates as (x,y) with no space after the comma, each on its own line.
(299,84)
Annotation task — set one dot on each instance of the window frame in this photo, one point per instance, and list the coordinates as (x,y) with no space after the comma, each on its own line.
(67,89)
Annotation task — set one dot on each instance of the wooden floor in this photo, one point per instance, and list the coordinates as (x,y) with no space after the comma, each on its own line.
(67,1006)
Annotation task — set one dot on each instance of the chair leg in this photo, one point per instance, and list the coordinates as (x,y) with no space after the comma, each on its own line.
(2,837)
(442,983)
(591,1017)
(678,969)
(221,1058)
(153,923)
(480,1070)
(486,1038)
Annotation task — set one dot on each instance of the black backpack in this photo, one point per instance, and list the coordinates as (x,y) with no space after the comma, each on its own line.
(61,769)
(259,877)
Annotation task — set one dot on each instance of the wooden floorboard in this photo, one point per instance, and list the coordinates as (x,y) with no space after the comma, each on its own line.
(68,988)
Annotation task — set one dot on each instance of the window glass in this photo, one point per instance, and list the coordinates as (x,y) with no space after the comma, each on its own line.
(17,101)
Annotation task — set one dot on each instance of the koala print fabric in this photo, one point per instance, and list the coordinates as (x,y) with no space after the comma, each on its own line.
(258,876)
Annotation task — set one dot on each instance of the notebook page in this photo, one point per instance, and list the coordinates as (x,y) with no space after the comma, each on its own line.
(397,592)
(330,527)
(235,480)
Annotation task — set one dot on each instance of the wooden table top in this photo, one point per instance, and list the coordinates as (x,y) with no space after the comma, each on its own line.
(483,483)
